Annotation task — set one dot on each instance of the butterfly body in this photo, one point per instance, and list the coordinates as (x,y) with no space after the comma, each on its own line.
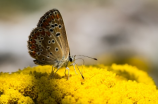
(48,41)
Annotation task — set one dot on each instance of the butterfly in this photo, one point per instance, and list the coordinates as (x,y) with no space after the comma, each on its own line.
(48,43)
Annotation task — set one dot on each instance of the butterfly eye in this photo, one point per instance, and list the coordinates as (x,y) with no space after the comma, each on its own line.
(70,59)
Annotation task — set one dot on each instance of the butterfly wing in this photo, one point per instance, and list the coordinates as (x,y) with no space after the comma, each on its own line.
(53,22)
(43,46)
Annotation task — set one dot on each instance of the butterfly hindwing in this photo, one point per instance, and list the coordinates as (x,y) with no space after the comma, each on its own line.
(44,47)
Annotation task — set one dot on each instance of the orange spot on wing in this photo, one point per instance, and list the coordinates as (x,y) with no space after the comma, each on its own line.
(46,23)
(52,17)
(33,54)
(33,46)
(58,16)
(42,33)
(35,37)
(47,33)
(33,41)
(49,19)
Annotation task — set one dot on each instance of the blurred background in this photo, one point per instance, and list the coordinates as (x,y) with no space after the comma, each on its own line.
(114,31)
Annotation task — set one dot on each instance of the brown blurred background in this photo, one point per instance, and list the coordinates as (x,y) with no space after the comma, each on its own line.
(114,31)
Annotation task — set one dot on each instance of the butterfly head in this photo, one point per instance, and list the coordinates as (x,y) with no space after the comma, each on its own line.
(70,61)
(72,58)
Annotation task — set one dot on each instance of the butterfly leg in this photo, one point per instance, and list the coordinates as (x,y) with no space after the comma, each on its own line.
(68,72)
(53,73)
(65,72)
(74,67)
(79,71)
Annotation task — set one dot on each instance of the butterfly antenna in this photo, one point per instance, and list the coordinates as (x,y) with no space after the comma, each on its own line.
(79,71)
(81,59)
(88,57)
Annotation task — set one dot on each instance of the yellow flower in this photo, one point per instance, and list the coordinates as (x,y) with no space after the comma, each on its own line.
(116,84)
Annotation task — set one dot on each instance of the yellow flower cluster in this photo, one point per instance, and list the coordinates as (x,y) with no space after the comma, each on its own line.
(116,84)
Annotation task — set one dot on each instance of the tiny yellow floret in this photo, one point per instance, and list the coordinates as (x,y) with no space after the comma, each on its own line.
(116,84)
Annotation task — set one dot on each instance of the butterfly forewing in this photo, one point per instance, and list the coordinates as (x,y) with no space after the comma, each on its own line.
(53,22)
